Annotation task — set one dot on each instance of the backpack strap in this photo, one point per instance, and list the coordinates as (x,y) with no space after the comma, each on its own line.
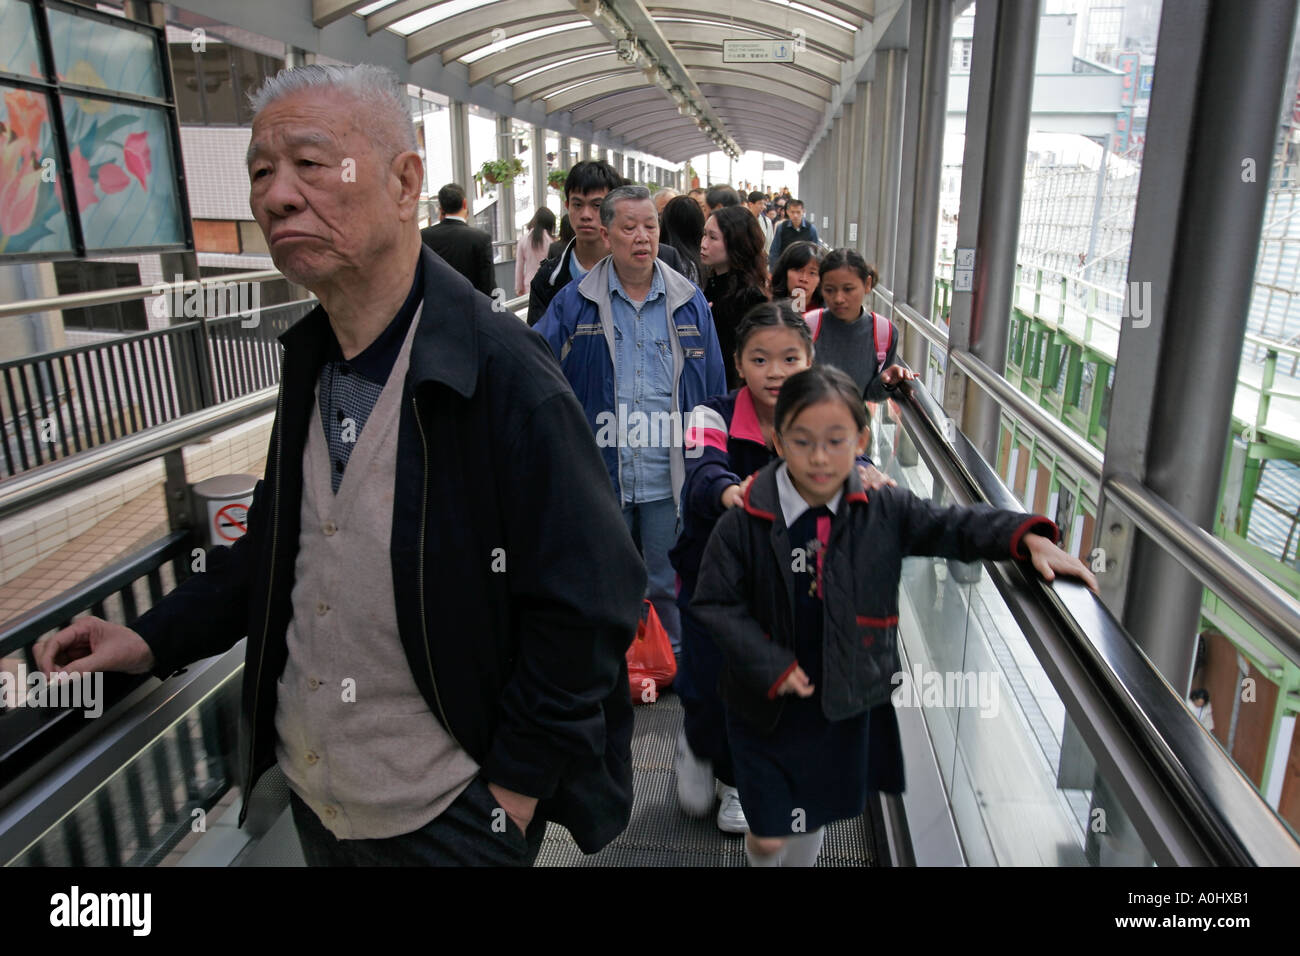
(882,334)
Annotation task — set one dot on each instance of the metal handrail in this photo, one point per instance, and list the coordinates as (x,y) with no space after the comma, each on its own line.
(79,300)
(1179,783)
(1058,437)
(68,474)
(1269,609)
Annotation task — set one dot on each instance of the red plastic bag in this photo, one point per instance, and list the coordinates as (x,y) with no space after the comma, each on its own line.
(650,663)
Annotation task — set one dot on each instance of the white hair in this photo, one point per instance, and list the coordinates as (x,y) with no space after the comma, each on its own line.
(384,116)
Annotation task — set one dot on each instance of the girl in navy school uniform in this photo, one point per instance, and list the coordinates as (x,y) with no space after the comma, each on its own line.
(799,588)
(728,439)
(848,334)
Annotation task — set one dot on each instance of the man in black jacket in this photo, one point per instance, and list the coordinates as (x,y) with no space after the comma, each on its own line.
(507,704)
(584,189)
(466,249)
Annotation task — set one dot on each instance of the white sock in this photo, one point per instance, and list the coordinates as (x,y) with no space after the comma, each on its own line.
(802,848)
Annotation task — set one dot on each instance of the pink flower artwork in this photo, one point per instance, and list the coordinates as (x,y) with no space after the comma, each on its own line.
(19,185)
(136,157)
(112,179)
(26,117)
(82,184)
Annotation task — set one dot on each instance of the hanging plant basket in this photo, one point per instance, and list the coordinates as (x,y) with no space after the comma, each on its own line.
(555,179)
(496,171)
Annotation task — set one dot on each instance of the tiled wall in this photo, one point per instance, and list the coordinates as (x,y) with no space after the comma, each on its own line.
(27,538)
(216,172)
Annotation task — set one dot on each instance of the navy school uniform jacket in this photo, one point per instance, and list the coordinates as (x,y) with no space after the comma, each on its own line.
(745,592)
(725,445)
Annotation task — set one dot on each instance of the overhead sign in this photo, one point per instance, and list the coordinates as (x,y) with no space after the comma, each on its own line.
(773,164)
(758,51)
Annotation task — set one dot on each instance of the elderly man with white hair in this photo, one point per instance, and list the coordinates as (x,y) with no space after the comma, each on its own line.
(431,659)
(636,341)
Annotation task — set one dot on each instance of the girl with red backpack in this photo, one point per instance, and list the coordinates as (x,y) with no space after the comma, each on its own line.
(850,336)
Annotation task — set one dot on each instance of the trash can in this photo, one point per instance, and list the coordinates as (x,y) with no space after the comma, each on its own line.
(224,501)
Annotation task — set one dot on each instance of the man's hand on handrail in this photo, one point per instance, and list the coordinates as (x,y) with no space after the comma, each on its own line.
(92,644)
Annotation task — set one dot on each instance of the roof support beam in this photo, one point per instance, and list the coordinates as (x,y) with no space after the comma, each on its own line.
(325,12)
(637,18)
(533,54)
(480,20)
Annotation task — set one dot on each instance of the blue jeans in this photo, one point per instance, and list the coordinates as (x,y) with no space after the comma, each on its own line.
(653,525)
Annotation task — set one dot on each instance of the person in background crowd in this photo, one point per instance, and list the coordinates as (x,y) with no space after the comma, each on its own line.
(735,269)
(682,227)
(1199,700)
(720,197)
(795,230)
(584,190)
(532,248)
(796,275)
(849,335)
(636,341)
(757,204)
(662,198)
(699,194)
(370,559)
(807,689)
(566,234)
(466,249)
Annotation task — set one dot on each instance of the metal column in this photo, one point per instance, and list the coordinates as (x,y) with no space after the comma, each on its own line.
(1015,44)
(921,221)
(461,173)
(857,176)
(889,127)
(538,147)
(1216,100)
(844,164)
(505,191)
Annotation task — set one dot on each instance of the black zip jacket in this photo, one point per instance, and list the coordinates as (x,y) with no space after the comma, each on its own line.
(745,592)
(525,668)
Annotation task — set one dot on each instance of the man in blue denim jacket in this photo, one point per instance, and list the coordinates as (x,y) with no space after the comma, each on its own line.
(636,341)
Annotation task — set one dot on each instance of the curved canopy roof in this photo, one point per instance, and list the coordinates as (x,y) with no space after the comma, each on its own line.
(668,92)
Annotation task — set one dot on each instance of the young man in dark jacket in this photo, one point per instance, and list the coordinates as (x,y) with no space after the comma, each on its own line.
(585,188)
(430,658)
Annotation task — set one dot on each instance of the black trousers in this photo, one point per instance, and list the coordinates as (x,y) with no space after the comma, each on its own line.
(467,833)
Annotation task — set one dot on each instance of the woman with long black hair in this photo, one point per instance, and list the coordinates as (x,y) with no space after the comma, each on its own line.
(532,248)
(681,225)
(796,275)
(735,268)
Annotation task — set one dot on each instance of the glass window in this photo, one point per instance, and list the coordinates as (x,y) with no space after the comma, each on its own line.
(122,174)
(216,72)
(431,113)
(521,141)
(121,59)
(482,147)
(32,217)
(20,50)
(251,71)
(185,81)
(83,276)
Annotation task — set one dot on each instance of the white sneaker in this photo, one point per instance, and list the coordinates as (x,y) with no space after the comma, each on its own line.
(731,818)
(694,779)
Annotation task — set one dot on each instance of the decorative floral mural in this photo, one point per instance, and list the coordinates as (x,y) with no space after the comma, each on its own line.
(123,178)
